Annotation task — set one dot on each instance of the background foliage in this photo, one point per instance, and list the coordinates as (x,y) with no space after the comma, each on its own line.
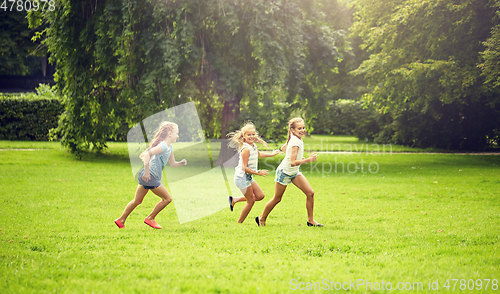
(121,61)
(423,70)
(426,72)
(17,51)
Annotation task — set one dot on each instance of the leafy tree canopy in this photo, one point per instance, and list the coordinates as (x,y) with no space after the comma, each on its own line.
(491,55)
(124,60)
(423,70)
(15,44)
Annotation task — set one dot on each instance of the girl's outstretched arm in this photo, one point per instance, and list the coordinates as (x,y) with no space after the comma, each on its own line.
(245,155)
(263,155)
(295,162)
(174,163)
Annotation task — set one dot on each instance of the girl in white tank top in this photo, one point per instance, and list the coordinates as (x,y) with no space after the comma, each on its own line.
(244,140)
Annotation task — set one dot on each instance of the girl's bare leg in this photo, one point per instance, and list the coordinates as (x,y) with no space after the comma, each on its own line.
(302,183)
(139,196)
(279,190)
(257,193)
(238,199)
(161,192)
(250,201)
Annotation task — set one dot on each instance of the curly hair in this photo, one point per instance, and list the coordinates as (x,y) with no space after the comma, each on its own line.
(236,138)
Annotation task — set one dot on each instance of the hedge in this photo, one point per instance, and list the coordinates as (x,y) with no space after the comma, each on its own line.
(342,117)
(28,117)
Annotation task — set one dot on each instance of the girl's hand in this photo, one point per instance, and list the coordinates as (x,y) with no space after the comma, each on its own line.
(146,176)
(263,172)
(183,162)
(313,157)
(275,152)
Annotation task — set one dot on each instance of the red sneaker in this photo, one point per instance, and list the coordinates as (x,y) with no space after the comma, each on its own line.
(152,223)
(119,223)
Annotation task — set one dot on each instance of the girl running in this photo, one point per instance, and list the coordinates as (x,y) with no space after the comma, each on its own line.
(245,139)
(288,172)
(155,158)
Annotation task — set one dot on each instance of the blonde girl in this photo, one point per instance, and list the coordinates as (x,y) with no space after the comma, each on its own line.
(155,158)
(244,140)
(288,172)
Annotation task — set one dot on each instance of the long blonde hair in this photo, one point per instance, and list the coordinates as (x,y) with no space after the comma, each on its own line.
(291,125)
(163,130)
(236,138)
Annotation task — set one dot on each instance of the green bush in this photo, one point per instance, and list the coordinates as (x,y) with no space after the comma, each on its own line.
(29,116)
(343,118)
(453,126)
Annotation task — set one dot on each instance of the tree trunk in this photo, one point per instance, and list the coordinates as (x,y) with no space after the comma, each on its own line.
(230,114)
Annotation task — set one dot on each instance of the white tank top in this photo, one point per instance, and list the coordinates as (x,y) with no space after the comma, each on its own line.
(253,160)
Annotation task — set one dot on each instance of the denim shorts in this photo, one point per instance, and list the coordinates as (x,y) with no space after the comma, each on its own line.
(283,178)
(153,183)
(243,182)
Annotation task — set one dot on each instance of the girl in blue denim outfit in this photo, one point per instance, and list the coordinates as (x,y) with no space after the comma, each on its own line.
(288,172)
(245,139)
(155,158)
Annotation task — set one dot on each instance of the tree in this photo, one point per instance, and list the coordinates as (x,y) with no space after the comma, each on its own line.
(423,70)
(491,56)
(124,60)
(328,60)
(16,45)
(116,63)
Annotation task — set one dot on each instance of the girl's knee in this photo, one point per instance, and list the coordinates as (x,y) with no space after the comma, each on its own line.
(277,199)
(136,202)
(259,197)
(251,201)
(167,200)
(310,194)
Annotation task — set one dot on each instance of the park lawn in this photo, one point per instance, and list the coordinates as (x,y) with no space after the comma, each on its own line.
(409,218)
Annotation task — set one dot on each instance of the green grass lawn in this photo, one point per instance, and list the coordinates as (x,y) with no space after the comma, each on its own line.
(398,218)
